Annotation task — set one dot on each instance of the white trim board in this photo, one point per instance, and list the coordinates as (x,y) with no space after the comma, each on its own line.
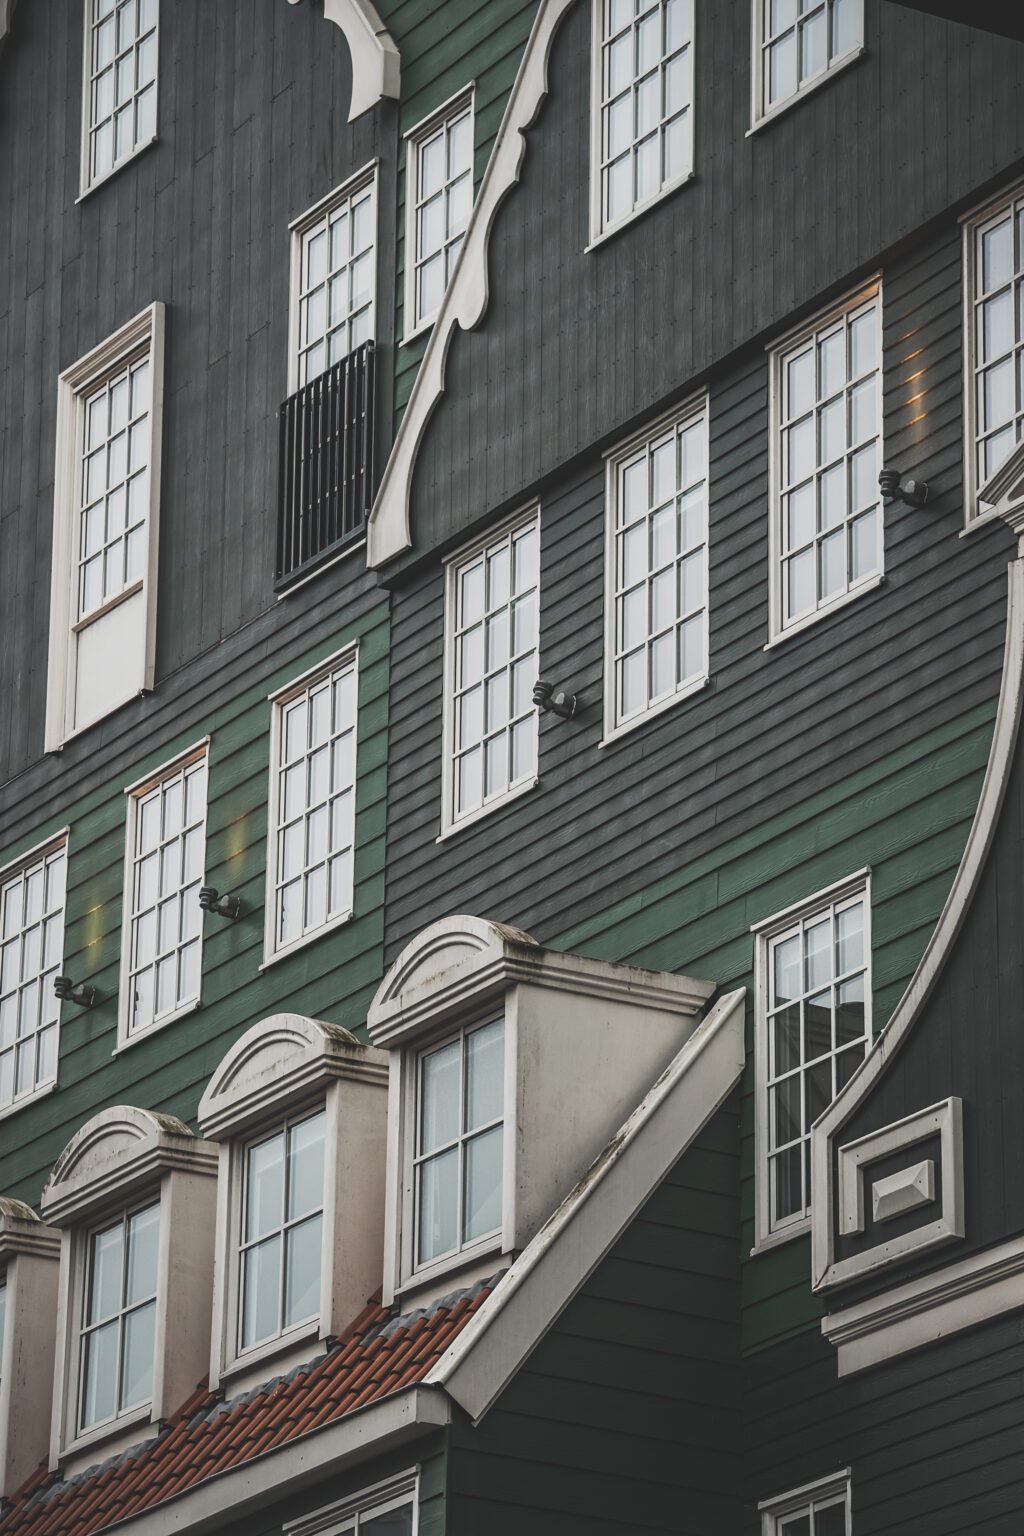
(376,62)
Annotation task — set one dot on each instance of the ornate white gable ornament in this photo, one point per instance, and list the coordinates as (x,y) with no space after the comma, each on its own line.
(376,63)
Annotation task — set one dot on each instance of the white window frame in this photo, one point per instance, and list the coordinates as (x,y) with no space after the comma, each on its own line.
(87,182)
(118,1217)
(346,659)
(695,410)
(454,107)
(762,113)
(778,351)
(134,794)
(973,225)
(9,872)
(509,527)
(367,176)
(824,1493)
(144,332)
(599,229)
(346,1516)
(768,1233)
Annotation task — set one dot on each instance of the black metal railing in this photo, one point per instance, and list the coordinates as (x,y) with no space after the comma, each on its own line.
(326,469)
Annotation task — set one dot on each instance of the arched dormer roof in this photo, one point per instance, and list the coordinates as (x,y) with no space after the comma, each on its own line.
(114,1152)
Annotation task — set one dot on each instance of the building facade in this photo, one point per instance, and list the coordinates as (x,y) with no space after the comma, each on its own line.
(510,879)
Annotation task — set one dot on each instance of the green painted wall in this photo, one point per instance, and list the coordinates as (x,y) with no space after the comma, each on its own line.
(332,977)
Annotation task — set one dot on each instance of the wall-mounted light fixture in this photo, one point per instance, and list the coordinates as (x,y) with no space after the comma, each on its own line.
(224,906)
(561,703)
(82,994)
(914,493)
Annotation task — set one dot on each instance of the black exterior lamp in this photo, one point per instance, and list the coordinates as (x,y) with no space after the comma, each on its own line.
(913,493)
(82,994)
(561,703)
(224,906)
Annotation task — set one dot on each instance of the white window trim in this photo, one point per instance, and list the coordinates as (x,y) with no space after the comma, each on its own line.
(74,382)
(377,1499)
(696,406)
(833,1487)
(102,1429)
(366,176)
(767,1236)
(760,115)
(599,231)
(85,184)
(976,512)
(466,97)
(776,350)
(7,871)
(133,793)
(450,823)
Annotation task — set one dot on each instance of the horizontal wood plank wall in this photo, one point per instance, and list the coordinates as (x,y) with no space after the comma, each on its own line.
(625,1417)
(253,130)
(577,344)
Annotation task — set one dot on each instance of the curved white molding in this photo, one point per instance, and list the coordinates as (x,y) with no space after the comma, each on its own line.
(912,1003)
(7,9)
(116,1151)
(450,941)
(465,301)
(376,63)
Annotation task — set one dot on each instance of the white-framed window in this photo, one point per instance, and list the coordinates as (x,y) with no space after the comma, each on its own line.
(438,203)
(641,97)
(333,278)
(797,44)
(818,1509)
(993,340)
(162,933)
(492,597)
(105,533)
(311,831)
(458,1157)
(812,1031)
(118,1317)
(31,954)
(389,1508)
(656,568)
(281,1233)
(826,535)
(119,88)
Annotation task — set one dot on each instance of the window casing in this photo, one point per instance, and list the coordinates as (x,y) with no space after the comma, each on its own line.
(334,278)
(31,954)
(993,341)
(819,1509)
(118,1318)
(165,838)
(119,95)
(492,596)
(798,44)
(311,842)
(826,451)
(641,106)
(813,1029)
(438,203)
(656,563)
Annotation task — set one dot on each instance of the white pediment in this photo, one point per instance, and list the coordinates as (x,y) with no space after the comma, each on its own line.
(436,958)
(115,1151)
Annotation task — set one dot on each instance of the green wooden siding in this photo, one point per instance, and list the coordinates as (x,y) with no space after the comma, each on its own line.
(333,977)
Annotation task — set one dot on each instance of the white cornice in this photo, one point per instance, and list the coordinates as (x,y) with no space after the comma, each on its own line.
(466,298)
(376,63)
(21,1231)
(114,1154)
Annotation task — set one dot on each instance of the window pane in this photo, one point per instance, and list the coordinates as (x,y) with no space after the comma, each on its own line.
(137,1359)
(438,1205)
(143,1240)
(439,1102)
(830,1521)
(306,1166)
(264,1187)
(99,1375)
(485,1069)
(302,1271)
(106,1273)
(482,1199)
(795,1525)
(396,1522)
(261,1292)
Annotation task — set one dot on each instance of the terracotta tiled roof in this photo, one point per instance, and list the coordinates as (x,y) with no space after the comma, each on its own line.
(379,1354)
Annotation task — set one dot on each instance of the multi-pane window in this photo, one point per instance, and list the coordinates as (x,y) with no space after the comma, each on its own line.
(119,1317)
(313,772)
(165,851)
(492,602)
(817,1030)
(994,294)
(335,282)
(460,1108)
(282,1230)
(822,1509)
(826,429)
(120,86)
(114,487)
(388,1509)
(31,951)
(657,568)
(439,202)
(642,104)
(800,41)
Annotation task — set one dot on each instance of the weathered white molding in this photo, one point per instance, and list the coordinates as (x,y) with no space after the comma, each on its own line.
(914,1000)
(1003,492)
(376,62)
(928,1309)
(465,301)
(114,1154)
(573,1241)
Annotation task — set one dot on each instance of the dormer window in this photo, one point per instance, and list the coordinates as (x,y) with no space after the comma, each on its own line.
(29,1264)
(119,1317)
(282,1230)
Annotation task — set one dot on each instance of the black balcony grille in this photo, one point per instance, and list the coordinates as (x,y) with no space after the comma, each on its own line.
(326,474)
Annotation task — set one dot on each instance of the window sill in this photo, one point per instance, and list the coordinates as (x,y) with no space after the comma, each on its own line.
(611,230)
(101,181)
(328,565)
(780,1238)
(802,94)
(457,1270)
(616,733)
(810,619)
(307,938)
(107,607)
(126,1042)
(419,329)
(980,520)
(119,1433)
(486,810)
(30,1098)
(287,1349)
